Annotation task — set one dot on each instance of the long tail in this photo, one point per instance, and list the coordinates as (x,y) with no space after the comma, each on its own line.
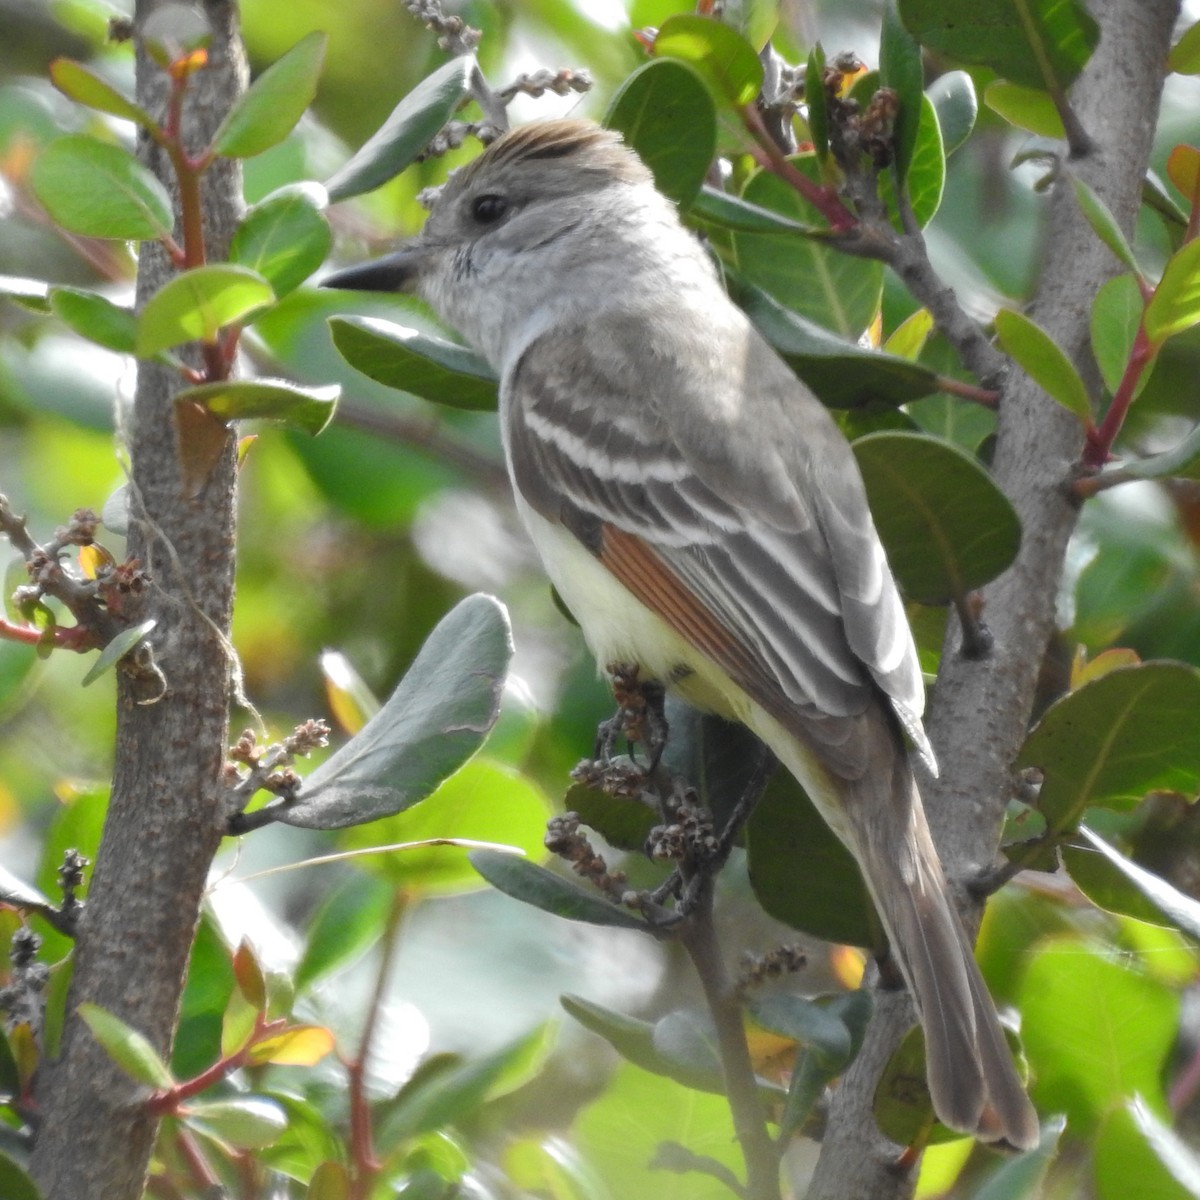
(972,1078)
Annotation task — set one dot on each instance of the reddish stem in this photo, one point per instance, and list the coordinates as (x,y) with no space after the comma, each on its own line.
(168,1101)
(825,200)
(74,637)
(968,391)
(204,1176)
(1098,448)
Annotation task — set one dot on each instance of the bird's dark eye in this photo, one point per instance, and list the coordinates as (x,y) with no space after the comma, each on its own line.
(489,208)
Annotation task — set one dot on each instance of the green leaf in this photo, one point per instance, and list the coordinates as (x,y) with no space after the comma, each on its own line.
(306,409)
(405,358)
(1175,305)
(1104,223)
(1039,43)
(15,1184)
(95,318)
(726,62)
(1184,58)
(954,102)
(125,641)
(345,927)
(687,1044)
(482,802)
(900,69)
(329,1182)
(1096,1030)
(623,822)
(246,1122)
(1039,356)
(801,873)
(1134,1153)
(285,237)
(126,1047)
(635,1041)
(713,207)
(842,373)
(1027,108)
(100,190)
(75,80)
(1116,317)
(197,304)
(1115,739)
(806,1022)
(946,526)
(1165,900)
(269,109)
(666,113)
(31,294)
(453,1092)
(926,177)
(531,884)
(431,724)
(815,98)
(407,132)
(813,280)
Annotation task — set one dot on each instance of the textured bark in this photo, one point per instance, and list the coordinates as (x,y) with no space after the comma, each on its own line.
(165,816)
(981,708)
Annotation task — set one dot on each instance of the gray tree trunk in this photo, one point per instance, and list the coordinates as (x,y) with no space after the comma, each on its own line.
(164,819)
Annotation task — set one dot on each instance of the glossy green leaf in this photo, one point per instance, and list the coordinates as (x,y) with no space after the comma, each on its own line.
(1104,223)
(635,1040)
(1027,108)
(803,1021)
(1039,356)
(15,1184)
(813,280)
(482,802)
(724,59)
(840,372)
(269,109)
(245,1122)
(723,209)
(800,872)
(687,1043)
(946,526)
(908,339)
(75,80)
(125,641)
(623,822)
(96,318)
(99,190)
(926,176)
(307,409)
(954,102)
(285,237)
(666,113)
(329,1182)
(407,132)
(1184,58)
(900,69)
(30,294)
(1115,739)
(1096,1029)
(815,98)
(126,1047)
(525,881)
(431,724)
(405,358)
(1164,900)
(1116,317)
(1039,43)
(348,923)
(1175,305)
(197,304)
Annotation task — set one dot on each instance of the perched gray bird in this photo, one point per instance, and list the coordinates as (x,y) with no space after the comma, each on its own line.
(704,519)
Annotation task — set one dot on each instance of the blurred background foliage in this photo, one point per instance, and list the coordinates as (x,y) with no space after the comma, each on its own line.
(358,541)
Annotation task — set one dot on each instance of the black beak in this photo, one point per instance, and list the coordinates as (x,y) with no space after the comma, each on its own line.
(394,273)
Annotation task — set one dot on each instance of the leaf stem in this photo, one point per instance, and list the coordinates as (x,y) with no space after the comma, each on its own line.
(1098,448)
